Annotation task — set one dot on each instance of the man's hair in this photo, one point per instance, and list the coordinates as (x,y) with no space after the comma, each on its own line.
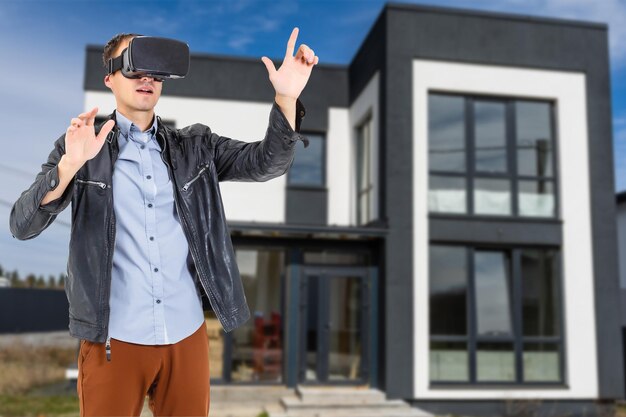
(113,44)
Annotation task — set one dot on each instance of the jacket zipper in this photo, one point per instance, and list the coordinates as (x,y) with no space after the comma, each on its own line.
(191,181)
(112,237)
(108,348)
(186,225)
(110,266)
(96,183)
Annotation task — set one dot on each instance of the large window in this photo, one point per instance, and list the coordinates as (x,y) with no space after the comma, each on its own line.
(258,344)
(364,173)
(308,164)
(491,156)
(494,315)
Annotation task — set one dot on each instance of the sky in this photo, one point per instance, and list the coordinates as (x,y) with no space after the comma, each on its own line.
(43,42)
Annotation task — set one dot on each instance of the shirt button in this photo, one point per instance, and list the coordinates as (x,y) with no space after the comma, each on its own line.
(151,237)
(149,177)
(301,113)
(150,205)
(53,183)
(142,146)
(156,269)
(158,301)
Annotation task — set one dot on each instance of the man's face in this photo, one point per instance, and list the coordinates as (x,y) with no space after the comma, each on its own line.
(132,95)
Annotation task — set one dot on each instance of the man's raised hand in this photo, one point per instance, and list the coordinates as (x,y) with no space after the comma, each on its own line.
(289,80)
(81,142)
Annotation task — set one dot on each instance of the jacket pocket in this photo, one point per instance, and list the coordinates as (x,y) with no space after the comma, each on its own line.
(202,170)
(98,184)
(86,346)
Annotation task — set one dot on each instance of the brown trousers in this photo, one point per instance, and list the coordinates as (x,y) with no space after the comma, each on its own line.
(175,377)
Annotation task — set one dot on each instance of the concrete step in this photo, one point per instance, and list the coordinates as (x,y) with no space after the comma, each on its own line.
(234,411)
(248,394)
(330,395)
(349,412)
(344,402)
(274,410)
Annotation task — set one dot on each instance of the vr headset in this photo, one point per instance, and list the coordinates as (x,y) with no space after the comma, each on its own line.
(159,58)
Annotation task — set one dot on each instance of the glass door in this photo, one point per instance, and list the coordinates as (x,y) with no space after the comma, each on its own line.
(334,323)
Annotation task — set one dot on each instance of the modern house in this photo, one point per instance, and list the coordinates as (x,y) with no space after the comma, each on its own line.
(449,234)
(4,282)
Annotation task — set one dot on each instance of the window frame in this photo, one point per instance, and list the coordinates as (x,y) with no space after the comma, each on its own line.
(323,166)
(369,191)
(471,339)
(471,174)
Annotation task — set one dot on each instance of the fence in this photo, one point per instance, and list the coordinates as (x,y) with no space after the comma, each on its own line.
(33,310)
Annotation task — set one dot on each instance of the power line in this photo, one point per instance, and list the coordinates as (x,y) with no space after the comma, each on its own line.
(18,171)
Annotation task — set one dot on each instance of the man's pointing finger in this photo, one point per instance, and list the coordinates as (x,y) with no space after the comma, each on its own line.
(105,130)
(92,117)
(291,44)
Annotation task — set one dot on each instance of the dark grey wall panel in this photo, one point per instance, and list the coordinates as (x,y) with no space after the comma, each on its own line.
(491,231)
(496,39)
(395,370)
(246,79)
(307,206)
(623,307)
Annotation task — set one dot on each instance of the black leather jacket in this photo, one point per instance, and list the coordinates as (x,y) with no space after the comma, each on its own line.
(197,159)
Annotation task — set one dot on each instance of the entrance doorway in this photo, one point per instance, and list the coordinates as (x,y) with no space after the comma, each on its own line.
(334,326)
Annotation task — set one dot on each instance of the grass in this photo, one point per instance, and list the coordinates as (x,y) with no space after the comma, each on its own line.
(35,405)
(24,372)
(24,367)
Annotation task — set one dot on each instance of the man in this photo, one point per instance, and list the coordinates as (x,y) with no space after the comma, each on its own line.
(149,237)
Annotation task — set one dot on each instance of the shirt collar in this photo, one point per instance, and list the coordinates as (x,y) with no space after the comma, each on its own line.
(125,125)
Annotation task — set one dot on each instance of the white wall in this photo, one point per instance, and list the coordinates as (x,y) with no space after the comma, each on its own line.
(568,89)
(244,120)
(339,166)
(248,121)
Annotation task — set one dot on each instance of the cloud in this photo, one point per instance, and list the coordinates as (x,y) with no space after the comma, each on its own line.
(254,20)
(240,42)
(365,16)
(165,24)
(612,12)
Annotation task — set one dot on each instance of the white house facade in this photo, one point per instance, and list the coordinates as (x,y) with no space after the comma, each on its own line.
(449,234)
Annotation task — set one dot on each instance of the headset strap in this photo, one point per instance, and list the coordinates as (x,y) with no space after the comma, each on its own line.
(115,64)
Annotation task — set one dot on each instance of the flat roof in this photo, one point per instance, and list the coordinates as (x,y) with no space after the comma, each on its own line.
(496,15)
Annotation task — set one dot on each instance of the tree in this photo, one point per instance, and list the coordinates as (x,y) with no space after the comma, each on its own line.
(31,280)
(62,278)
(41,282)
(14,281)
(52,281)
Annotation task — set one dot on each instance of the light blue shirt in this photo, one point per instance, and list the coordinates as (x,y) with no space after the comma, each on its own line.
(154,300)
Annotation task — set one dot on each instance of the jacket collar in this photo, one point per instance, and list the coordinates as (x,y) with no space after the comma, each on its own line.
(161,128)
(162,134)
(125,125)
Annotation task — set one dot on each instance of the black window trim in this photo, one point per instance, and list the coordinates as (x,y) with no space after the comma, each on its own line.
(366,119)
(470,173)
(519,339)
(311,186)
